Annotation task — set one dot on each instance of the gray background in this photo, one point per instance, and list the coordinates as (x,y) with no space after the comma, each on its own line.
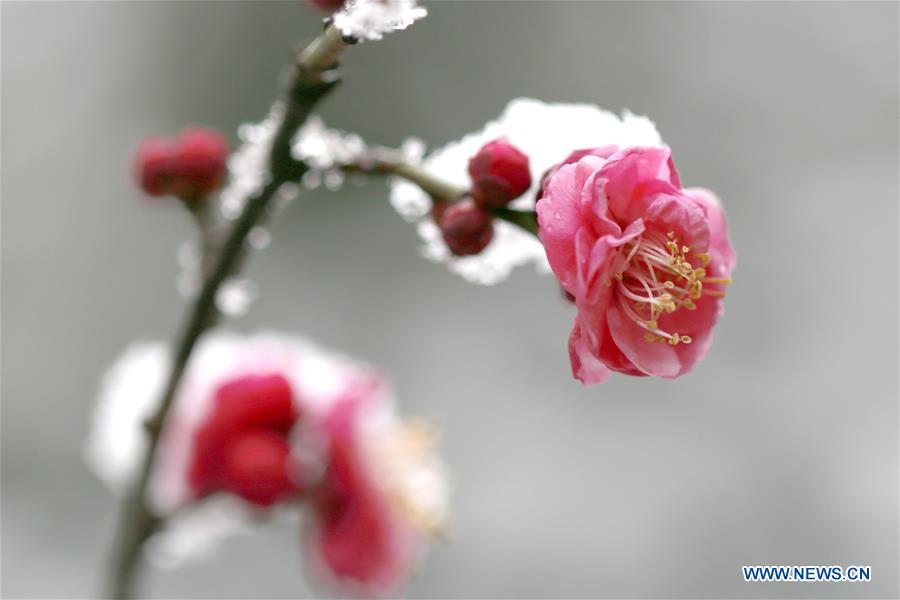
(781,448)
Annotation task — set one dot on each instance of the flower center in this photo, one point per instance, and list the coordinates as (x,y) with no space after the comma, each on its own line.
(659,278)
(414,477)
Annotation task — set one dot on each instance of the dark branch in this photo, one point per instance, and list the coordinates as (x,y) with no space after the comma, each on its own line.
(314,76)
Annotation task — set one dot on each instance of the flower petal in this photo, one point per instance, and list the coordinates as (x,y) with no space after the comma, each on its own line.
(560,218)
(652,358)
(719,244)
(632,167)
(586,367)
(359,540)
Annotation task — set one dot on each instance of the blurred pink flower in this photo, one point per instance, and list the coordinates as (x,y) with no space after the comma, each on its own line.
(360,539)
(646,261)
(274,425)
(380,493)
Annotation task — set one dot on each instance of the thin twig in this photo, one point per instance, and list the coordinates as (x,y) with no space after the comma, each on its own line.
(525,219)
(382,163)
(313,77)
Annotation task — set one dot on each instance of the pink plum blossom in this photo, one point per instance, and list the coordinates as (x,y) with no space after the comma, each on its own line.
(646,261)
(271,425)
(378,495)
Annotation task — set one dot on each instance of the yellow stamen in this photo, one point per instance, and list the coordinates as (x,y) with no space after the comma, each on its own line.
(704,258)
(658,279)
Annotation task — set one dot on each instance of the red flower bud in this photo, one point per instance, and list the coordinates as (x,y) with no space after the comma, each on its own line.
(467,229)
(499,174)
(189,167)
(152,166)
(198,162)
(328,5)
(437,209)
(255,467)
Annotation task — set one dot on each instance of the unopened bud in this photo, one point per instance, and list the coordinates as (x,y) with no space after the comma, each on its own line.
(467,228)
(328,5)
(190,167)
(499,174)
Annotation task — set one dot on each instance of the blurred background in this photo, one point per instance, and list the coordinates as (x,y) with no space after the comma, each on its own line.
(781,448)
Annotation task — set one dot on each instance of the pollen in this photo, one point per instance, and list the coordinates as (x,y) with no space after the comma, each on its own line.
(704,258)
(414,480)
(659,279)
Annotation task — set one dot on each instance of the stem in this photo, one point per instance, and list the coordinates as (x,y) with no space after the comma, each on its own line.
(526,219)
(433,186)
(312,78)
(437,188)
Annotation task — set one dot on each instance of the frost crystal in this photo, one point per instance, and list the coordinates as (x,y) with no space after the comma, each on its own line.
(248,172)
(248,166)
(235,296)
(322,148)
(324,151)
(547,133)
(371,19)
(259,238)
(237,293)
(412,151)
